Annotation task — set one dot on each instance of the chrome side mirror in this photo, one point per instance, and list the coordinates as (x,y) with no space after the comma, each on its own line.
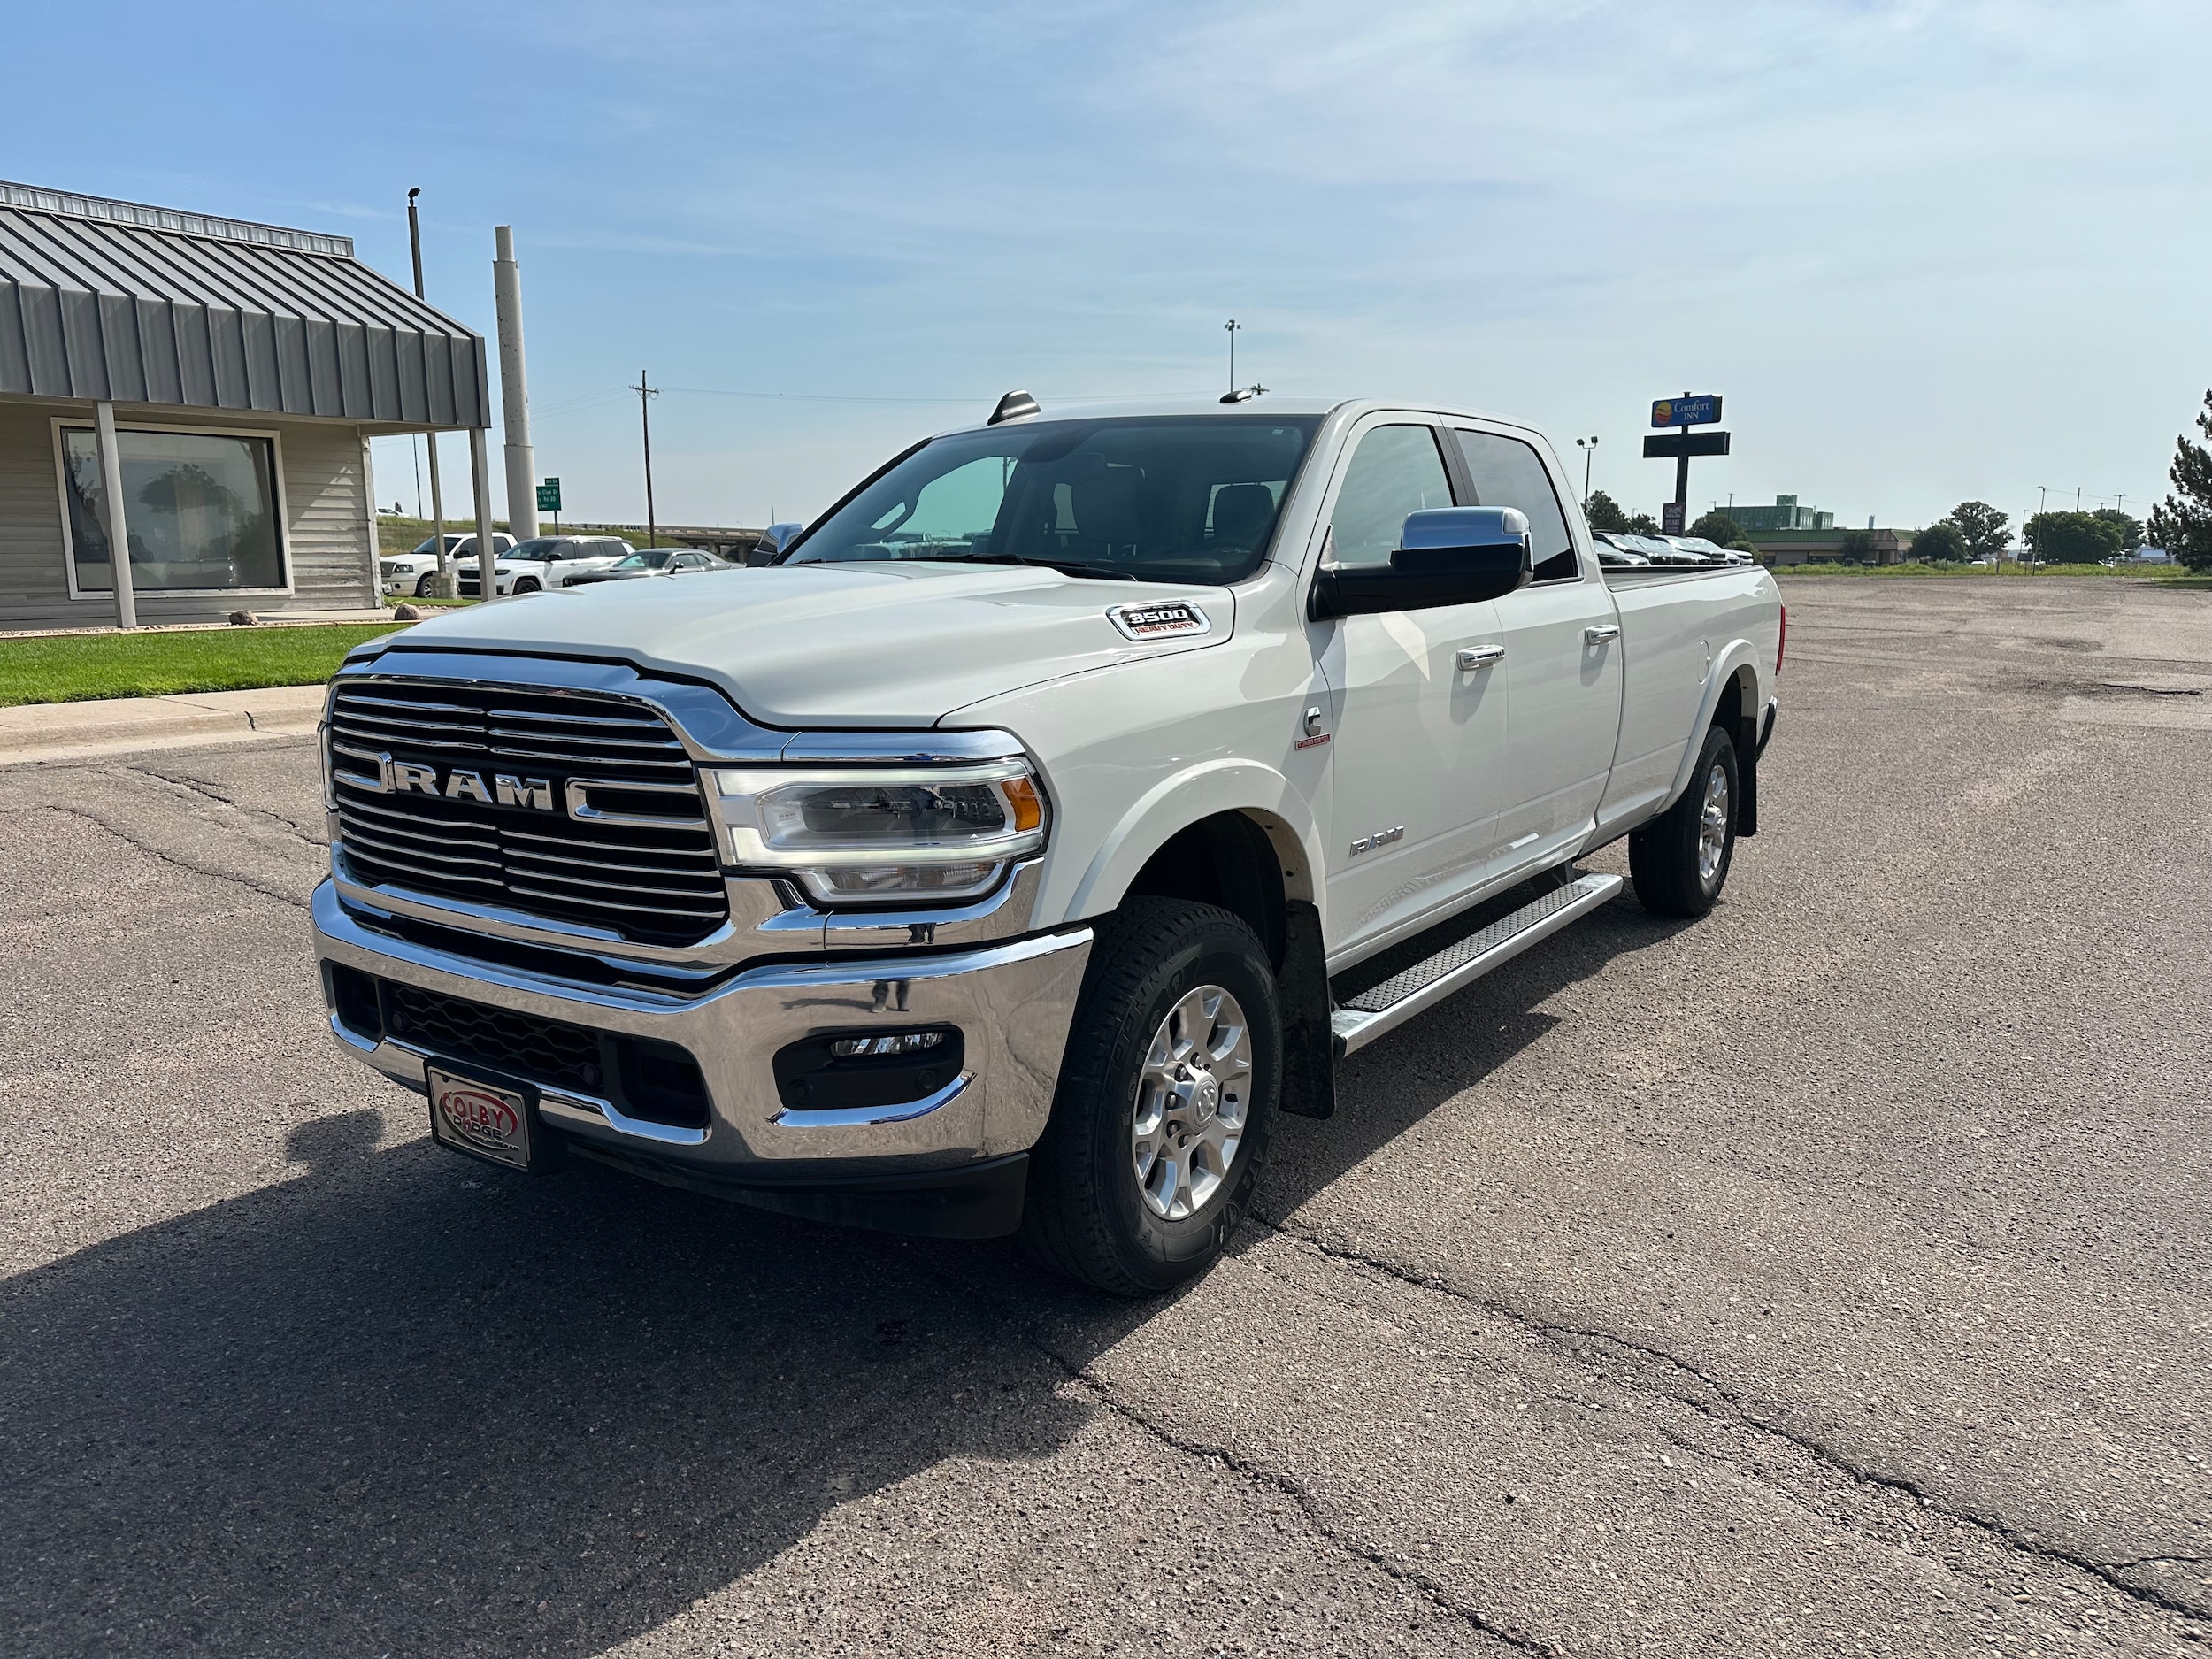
(1446,556)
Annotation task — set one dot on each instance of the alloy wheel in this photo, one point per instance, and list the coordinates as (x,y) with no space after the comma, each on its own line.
(1712,825)
(1194,1100)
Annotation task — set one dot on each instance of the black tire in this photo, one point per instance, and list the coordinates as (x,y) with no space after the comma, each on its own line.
(422,584)
(1665,857)
(527,584)
(1088,1217)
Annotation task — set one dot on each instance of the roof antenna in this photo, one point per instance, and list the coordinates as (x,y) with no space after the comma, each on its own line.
(1014,406)
(1243,394)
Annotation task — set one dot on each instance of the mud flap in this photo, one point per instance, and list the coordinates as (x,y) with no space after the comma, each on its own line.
(1309,1047)
(1746,780)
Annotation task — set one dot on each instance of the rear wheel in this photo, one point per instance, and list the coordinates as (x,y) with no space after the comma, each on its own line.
(1167,1098)
(1680,861)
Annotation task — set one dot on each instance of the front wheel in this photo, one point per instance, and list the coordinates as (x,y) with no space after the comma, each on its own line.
(422,584)
(1167,1098)
(527,584)
(1680,861)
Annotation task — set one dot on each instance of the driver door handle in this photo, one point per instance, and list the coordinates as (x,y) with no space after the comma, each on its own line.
(1601,633)
(1481,655)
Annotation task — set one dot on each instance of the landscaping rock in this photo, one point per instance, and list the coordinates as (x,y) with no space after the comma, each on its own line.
(405,613)
(243,620)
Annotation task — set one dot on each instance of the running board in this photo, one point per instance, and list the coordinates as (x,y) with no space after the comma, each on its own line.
(1399,998)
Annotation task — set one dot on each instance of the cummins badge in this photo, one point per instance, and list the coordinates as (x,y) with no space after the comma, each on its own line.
(1159,621)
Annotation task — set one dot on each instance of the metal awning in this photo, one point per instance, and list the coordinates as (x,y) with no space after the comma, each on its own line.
(137,304)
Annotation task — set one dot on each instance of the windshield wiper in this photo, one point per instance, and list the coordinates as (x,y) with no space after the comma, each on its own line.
(1066,567)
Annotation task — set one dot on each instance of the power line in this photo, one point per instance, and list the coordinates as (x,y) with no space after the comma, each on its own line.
(596,399)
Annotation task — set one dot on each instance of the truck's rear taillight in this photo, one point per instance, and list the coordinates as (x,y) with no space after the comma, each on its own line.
(1782,639)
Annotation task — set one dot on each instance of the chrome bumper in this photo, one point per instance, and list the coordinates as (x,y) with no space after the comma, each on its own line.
(1012,1002)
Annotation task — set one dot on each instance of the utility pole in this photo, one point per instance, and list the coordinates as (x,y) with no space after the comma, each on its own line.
(645,393)
(1233,326)
(430,439)
(1589,447)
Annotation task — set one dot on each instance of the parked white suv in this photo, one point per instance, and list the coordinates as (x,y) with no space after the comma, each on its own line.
(1062,808)
(547,561)
(410,572)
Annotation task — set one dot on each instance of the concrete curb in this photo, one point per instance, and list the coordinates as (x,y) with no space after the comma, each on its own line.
(73,731)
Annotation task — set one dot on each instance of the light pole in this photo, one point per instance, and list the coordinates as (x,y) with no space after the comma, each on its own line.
(1589,447)
(1232,326)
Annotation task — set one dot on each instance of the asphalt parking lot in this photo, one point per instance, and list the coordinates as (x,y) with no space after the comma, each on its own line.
(1831,1276)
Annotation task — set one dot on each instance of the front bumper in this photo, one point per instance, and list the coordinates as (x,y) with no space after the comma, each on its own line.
(1012,1002)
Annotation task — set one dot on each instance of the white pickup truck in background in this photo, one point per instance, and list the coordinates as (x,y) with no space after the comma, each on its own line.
(1060,808)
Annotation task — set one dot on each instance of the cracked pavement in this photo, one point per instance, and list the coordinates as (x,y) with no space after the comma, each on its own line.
(1827,1276)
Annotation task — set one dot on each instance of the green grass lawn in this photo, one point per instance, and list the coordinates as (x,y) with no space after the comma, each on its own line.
(71,670)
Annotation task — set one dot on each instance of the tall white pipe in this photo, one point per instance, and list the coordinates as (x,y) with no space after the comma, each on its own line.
(514,394)
(119,532)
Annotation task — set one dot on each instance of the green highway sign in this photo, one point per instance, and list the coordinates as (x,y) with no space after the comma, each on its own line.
(549,495)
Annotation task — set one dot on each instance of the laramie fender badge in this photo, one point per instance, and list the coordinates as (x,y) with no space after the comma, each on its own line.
(1177,617)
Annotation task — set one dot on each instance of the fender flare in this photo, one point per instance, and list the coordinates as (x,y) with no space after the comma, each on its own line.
(1183,798)
(1736,653)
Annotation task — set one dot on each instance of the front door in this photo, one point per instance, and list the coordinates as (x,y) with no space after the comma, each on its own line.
(1562,668)
(1418,739)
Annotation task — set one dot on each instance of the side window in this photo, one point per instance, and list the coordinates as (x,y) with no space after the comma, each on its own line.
(1509,474)
(1395,471)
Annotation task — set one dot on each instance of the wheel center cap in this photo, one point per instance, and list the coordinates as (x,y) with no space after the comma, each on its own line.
(1205,1097)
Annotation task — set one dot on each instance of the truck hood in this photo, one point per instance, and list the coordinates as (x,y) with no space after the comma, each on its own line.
(857,645)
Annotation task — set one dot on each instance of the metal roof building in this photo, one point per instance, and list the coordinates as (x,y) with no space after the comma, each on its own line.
(241,369)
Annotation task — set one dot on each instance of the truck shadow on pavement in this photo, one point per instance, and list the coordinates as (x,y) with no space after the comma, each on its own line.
(1387,1089)
(403,1405)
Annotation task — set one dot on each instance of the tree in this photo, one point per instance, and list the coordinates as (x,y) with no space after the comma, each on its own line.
(2182,524)
(1604,514)
(2131,529)
(1856,547)
(1718,529)
(1641,524)
(1940,542)
(2071,538)
(1983,528)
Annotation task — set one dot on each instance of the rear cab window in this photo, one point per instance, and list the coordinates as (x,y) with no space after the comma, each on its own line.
(1507,472)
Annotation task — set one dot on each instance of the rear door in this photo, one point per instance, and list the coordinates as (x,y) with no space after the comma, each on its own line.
(1418,742)
(1561,673)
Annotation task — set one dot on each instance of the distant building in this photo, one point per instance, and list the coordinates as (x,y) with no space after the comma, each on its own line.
(226,377)
(1785,514)
(1799,547)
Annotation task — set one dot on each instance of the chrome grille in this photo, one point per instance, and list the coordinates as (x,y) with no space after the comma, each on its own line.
(657,881)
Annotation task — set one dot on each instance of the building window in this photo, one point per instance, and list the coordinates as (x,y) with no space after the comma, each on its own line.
(200,509)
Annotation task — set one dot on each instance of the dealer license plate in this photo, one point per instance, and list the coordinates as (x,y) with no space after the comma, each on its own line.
(478,1118)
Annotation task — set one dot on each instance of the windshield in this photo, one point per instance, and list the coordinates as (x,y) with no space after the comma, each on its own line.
(537,548)
(651,560)
(1176,498)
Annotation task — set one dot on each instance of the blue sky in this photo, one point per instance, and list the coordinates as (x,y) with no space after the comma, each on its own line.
(1926,250)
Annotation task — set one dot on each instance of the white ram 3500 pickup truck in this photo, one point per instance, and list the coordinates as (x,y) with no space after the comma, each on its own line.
(1058,810)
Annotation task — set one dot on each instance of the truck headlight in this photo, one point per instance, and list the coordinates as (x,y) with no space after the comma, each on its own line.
(936,834)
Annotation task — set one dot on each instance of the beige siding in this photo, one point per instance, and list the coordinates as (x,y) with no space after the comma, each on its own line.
(329,532)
